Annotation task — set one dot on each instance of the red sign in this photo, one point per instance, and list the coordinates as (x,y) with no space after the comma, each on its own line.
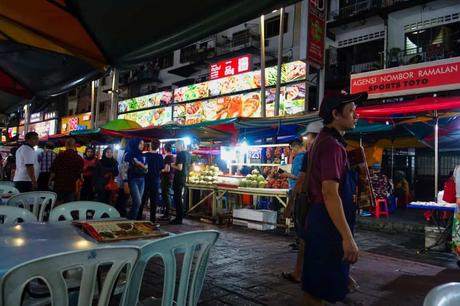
(316,32)
(230,67)
(411,79)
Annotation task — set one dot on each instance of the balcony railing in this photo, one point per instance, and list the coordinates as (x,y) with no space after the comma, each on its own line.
(361,6)
(364,67)
(244,39)
(430,53)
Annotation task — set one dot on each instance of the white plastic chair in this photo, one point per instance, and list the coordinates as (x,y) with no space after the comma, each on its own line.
(50,269)
(196,247)
(8,189)
(443,295)
(11,215)
(34,201)
(82,207)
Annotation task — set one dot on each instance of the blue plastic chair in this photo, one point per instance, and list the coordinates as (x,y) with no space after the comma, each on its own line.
(35,201)
(51,269)
(443,295)
(196,247)
(82,207)
(11,215)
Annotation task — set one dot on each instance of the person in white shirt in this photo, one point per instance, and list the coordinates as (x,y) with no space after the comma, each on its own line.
(27,166)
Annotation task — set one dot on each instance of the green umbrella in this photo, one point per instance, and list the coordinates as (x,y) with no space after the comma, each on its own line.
(121,124)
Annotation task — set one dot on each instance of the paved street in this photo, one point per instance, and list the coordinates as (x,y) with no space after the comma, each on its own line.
(245,269)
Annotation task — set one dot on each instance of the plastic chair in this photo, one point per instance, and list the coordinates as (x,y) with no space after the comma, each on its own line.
(443,295)
(194,245)
(381,208)
(35,201)
(8,189)
(50,269)
(7,183)
(11,215)
(82,207)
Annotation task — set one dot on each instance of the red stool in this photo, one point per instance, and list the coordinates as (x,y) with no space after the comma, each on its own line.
(381,208)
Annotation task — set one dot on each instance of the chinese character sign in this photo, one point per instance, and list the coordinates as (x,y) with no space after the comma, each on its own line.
(316,32)
(230,67)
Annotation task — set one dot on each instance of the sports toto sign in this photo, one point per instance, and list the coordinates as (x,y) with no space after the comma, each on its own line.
(411,79)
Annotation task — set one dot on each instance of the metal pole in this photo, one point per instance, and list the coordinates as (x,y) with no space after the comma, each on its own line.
(93,103)
(114,95)
(280,61)
(96,113)
(436,154)
(307,87)
(26,118)
(262,66)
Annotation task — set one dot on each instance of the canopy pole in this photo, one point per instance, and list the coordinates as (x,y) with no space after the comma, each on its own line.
(26,118)
(280,61)
(93,103)
(262,66)
(436,155)
(114,95)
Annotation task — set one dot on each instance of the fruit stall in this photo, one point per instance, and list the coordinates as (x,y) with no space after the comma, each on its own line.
(232,191)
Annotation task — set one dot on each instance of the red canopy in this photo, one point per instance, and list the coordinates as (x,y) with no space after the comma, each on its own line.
(410,107)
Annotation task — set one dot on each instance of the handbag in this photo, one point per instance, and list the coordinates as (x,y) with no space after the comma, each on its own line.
(111,185)
(302,201)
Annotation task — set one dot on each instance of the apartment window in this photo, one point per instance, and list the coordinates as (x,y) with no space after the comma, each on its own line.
(103,81)
(73,93)
(441,39)
(166,61)
(187,54)
(272,26)
(240,38)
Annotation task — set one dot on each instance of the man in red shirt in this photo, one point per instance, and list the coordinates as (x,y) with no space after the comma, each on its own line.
(66,169)
(329,245)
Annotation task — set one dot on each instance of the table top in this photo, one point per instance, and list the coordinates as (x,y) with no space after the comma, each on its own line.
(433,206)
(24,242)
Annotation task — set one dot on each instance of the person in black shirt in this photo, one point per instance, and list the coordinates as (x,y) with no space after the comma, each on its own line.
(180,167)
(167,176)
(155,164)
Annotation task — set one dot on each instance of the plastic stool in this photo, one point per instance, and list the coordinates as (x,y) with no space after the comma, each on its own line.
(381,208)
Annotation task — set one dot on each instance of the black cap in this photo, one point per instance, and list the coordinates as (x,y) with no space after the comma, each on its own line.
(332,102)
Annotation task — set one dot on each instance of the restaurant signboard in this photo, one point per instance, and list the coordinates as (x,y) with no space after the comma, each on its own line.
(316,32)
(433,76)
(77,122)
(230,67)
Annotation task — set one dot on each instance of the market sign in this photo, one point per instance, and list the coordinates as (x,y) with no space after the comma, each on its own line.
(76,123)
(43,128)
(150,117)
(290,72)
(316,32)
(35,117)
(144,102)
(230,67)
(411,79)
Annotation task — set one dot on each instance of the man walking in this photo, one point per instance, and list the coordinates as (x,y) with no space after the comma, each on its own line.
(329,245)
(46,159)
(27,166)
(65,171)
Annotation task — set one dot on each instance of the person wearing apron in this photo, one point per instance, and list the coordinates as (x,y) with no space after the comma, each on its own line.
(329,245)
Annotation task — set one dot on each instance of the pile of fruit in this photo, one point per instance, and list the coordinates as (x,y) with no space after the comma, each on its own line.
(254,180)
(207,176)
(275,180)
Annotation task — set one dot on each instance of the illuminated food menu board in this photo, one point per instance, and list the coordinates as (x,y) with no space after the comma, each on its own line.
(147,101)
(290,72)
(43,129)
(156,116)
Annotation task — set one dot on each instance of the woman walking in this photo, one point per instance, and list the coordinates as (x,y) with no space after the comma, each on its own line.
(104,177)
(134,170)
(89,163)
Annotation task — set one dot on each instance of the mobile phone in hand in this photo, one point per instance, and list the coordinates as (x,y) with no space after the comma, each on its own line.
(281,171)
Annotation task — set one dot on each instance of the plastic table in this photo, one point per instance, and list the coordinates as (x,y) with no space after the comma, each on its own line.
(21,243)
(436,208)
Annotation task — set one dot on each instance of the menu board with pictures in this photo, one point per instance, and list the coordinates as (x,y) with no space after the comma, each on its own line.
(145,118)
(290,72)
(113,230)
(147,101)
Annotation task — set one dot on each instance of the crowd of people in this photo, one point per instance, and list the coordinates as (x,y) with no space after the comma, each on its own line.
(112,178)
